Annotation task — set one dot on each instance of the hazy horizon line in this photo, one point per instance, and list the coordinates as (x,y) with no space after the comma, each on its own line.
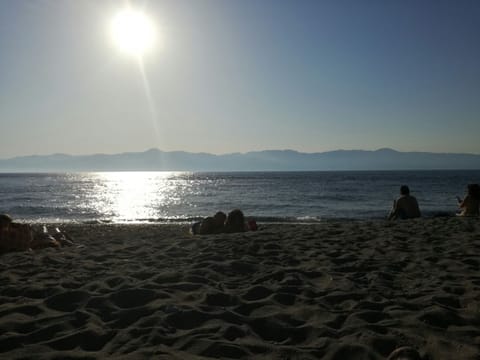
(240,152)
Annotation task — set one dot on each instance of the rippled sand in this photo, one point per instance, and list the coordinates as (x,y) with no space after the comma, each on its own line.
(335,290)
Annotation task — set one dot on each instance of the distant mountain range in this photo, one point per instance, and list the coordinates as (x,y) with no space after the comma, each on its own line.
(269,160)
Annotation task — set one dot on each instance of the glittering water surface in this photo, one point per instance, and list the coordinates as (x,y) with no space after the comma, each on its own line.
(183,196)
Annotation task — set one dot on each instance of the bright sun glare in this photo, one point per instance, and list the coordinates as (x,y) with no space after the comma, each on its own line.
(133,32)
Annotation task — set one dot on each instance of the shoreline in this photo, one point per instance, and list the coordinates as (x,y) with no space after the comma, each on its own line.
(315,291)
(266,220)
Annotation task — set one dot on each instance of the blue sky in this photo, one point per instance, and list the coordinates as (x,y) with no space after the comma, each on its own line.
(234,76)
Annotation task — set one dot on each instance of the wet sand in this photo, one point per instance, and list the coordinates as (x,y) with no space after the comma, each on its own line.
(334,290)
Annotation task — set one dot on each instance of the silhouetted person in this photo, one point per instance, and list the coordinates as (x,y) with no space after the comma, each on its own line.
(219,218)
(207,226)
(406,206)
(235,221)
(21,237)
(221,223)
(471,202)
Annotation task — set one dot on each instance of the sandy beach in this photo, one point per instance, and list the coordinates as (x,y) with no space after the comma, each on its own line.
(333,290)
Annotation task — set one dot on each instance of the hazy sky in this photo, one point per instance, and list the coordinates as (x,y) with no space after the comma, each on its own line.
(240,75)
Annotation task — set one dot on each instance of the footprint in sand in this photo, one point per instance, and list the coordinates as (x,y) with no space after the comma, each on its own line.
(67,301)
(133,298)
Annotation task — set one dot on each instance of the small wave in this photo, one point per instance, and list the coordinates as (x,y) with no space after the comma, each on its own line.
(189,220)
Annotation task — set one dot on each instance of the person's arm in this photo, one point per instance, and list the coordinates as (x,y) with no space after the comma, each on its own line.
(393,212)
(462,203)
(419,214)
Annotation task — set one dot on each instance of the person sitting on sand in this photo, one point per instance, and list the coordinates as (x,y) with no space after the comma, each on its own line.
(471,202)
(405,207)
(21,237)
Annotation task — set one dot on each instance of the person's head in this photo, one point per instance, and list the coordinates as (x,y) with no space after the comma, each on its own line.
(235,221)
(404,190)
(5,221)
(220,218)
(474,190)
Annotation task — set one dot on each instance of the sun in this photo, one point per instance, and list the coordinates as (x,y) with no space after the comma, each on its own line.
(133,32)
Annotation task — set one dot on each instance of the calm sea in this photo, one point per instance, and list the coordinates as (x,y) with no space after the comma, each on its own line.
(184,196)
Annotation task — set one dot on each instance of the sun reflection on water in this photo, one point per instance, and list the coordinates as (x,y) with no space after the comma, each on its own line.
(140,196)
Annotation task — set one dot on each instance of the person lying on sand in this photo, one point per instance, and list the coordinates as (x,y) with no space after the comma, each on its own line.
(470,204)
(210,225)
(221,223)
(21,237)
(405,207)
